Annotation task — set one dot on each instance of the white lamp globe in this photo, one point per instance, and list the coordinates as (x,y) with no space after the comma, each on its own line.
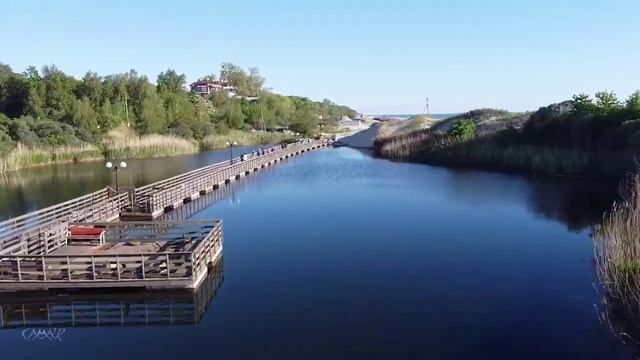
(123,164)
(109,165)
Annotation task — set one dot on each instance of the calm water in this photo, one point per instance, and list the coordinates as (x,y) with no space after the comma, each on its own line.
(337,255)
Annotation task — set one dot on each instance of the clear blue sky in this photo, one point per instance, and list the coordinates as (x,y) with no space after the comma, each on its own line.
(376,56)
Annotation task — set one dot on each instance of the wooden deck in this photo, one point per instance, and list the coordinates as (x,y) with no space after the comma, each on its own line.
(39,251)
(140,254)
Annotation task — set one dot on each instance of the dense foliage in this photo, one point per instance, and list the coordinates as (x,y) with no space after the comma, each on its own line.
(49,107)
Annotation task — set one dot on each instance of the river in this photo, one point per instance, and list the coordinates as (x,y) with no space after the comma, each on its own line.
(336,254)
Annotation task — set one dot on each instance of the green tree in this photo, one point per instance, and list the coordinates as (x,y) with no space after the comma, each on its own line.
(59,93)
(607,102)
(170,81)
(90,88)
(303,121)
(14,96)
(32,77)
(633,104)
(178,108)
(231,114)
(583,104)
(84,116)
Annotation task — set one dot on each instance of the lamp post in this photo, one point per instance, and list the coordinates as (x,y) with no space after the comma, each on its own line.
(231,145)
(122,165)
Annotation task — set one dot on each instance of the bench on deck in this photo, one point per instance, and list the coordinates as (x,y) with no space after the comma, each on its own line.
(86,235)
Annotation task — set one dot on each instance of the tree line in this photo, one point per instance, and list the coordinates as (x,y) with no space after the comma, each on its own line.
(49,107)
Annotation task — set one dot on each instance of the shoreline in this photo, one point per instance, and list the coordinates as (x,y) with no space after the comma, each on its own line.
(22,158)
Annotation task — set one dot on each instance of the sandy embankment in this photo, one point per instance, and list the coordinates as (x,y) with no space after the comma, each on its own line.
(365,138)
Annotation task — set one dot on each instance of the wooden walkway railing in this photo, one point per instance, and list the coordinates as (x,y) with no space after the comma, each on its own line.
(142,267)
(42,231)
(172,192)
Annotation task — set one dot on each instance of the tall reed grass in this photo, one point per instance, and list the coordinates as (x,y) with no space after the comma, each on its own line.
(400,146)
(123,145)
(244,138)
(617,246)
(120,143)
(23,156)
(501,151)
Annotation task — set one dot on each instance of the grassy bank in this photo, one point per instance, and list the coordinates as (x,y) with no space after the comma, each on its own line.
(500,153)
(123,143)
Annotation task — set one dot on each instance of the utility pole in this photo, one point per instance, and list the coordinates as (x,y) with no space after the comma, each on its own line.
(261,113)
(426,108)
(126,109)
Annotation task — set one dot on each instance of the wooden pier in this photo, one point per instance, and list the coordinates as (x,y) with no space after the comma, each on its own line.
(79,243)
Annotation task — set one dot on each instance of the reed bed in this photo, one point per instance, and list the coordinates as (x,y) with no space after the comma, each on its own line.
(244,138)
(123,143)
(23,156)
(404,145)
(147,146)
(617,247)
(119,143)
(502,151)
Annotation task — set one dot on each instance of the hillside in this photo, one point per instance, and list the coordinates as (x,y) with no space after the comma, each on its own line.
(486,120)
(384,129)
(579,137)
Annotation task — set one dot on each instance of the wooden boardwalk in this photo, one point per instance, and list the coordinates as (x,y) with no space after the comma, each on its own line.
(48,249)
(153,200)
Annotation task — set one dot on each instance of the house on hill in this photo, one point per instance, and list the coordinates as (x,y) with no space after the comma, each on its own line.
(206,87)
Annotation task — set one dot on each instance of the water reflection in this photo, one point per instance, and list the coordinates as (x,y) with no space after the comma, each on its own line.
(230,192)
(577,203)
(109,308)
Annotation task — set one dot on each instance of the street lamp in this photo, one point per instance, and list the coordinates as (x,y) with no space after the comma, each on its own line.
(122,165)
(231,145)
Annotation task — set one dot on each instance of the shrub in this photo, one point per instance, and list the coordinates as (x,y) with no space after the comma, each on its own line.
(6,143)
(463,130)
(183,130)
(22,133)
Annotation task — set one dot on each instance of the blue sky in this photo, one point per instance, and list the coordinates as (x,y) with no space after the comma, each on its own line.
(376,56)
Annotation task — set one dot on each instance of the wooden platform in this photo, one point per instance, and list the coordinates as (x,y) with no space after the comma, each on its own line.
(142,254)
